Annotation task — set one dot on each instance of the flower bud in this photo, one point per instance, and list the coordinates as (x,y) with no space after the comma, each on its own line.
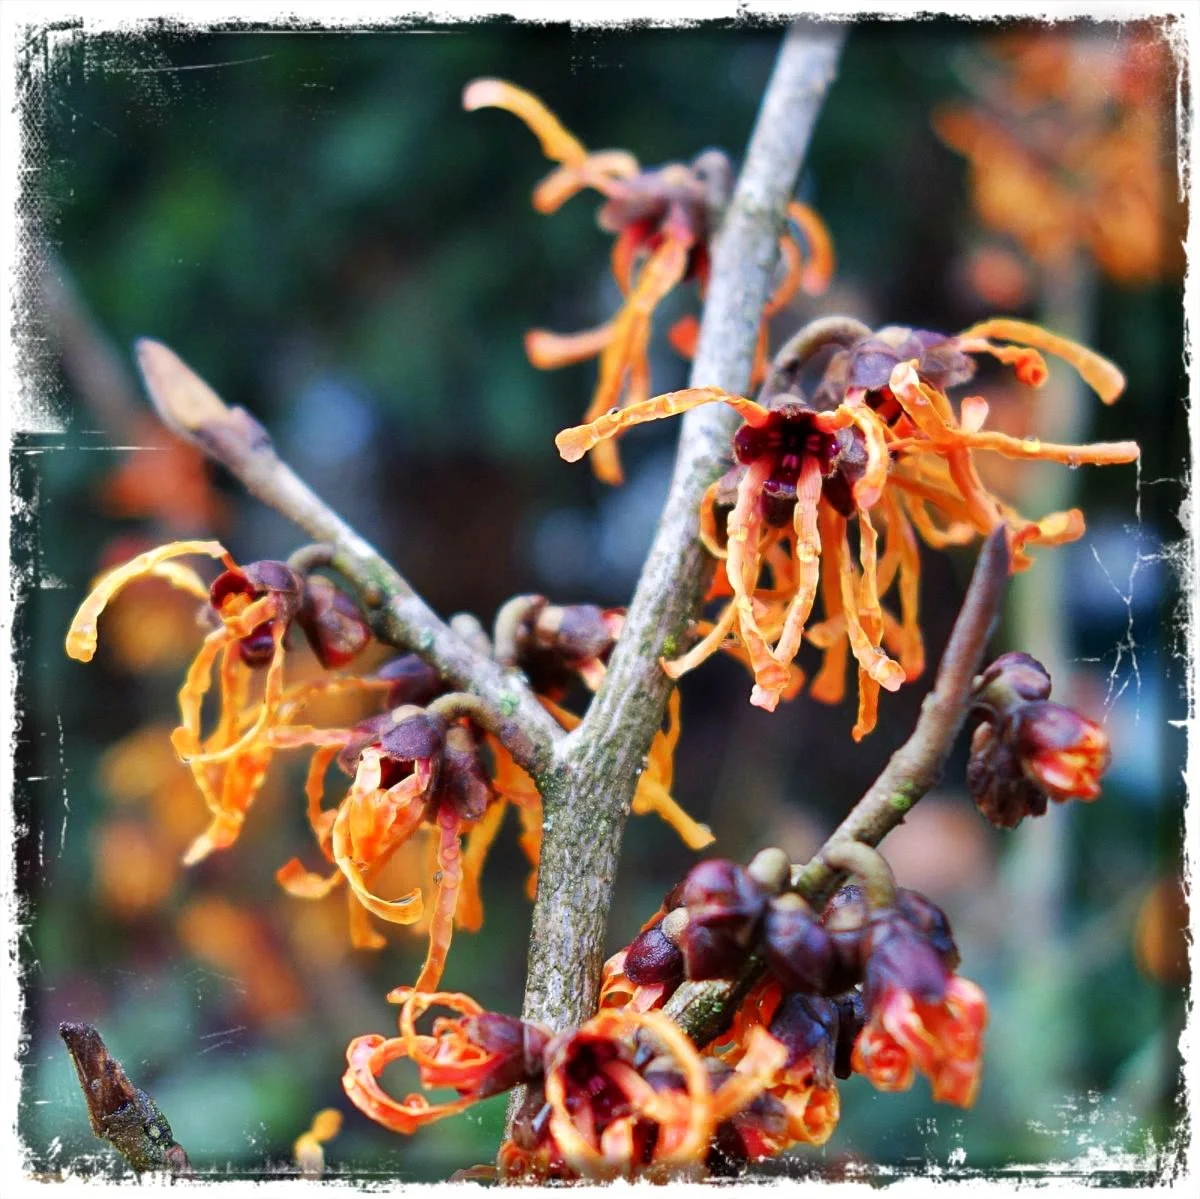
(1011,679)
(1062,752)
(556,643)
(798,949)
(653,958)
(335,628)
(724,906)
(1037,751)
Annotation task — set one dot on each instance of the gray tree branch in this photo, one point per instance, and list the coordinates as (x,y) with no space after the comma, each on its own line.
(587,794)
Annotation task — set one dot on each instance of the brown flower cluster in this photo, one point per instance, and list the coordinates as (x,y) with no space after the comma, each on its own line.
(868,986)
(1027,749)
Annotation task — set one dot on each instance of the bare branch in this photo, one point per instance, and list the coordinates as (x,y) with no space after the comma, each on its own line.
(587,798)
(704,1009)
(232,437)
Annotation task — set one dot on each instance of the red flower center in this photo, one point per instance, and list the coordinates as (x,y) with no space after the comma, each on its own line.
(789,437)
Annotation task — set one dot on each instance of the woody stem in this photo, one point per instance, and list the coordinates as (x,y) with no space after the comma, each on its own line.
(704,1009)
(588,792)
(398,615)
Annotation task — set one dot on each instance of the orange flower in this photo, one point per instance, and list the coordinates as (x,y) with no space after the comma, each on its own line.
(431,772)
(805,1028)
(610,1116)
(663,219)
(1029,749)
(1067,146)
(920,1015)
(942,1040)
(478,1054)
(413,769)
(876,441)
(600,1103)
(253,608)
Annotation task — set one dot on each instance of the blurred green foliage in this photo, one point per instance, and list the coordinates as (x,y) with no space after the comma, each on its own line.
(312,222)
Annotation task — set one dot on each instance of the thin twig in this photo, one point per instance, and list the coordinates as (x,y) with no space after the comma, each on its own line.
(704,1009)
(400,617)
(119,1113)
(587,798)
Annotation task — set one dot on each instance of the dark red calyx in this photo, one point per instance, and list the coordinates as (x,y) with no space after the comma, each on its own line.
(413,681)
(414,735)
(516,1048)
(724,906)
(798,949)
(653,958)
(335,628)
(931,922)
(464,782)
(899,956)
(807,1025)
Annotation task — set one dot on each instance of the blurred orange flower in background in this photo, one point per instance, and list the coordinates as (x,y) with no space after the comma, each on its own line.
(1068,141)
